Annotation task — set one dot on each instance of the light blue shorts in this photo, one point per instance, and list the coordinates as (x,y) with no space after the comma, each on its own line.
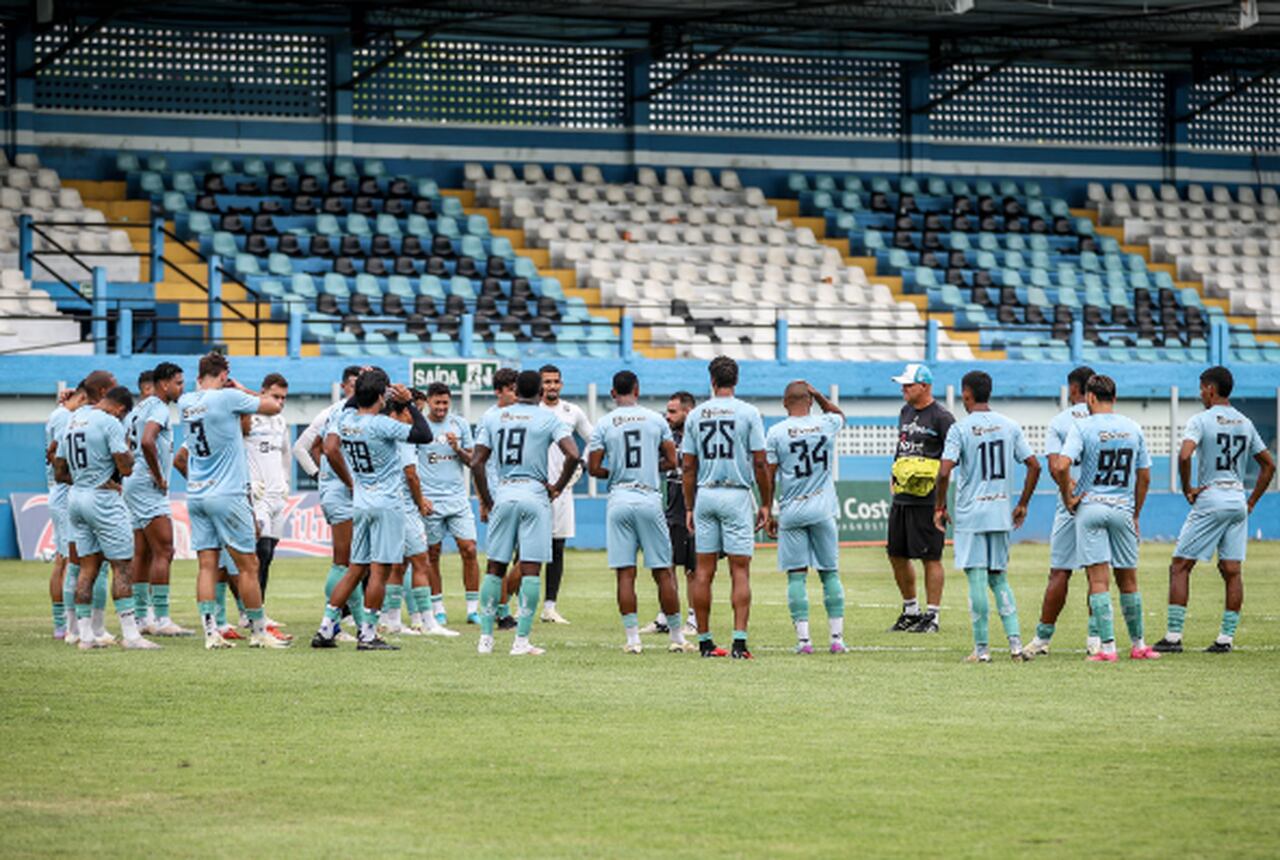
(452,516)
(724,520)
(1105,534)
(415,534)
(1218,523)
(227,563)
(1062,542)
(335,502)
(521,516)
(815,545)
(218,521)
(377,536)
(100,524)
(60,517)
(145,502)
(635,520)
(983,550)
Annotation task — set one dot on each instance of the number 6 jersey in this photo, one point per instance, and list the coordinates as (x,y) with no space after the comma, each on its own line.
(1110,450)
(803,448)
(985,447)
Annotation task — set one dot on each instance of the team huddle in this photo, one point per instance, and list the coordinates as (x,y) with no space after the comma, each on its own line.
(394,468)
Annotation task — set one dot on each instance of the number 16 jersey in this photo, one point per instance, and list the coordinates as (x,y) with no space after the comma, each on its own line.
(803,448)
(1110,450)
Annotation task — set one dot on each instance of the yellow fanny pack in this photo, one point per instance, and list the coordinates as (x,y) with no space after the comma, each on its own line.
(915,476)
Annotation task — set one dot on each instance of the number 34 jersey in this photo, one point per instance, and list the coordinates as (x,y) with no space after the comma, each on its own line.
(1110,450)
(985,446)
(803,447)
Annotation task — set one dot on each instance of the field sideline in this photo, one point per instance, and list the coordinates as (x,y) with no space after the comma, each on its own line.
(897,749)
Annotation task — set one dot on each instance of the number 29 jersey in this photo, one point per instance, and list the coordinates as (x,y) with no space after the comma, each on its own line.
(1110,449)
(722,432)
(803,448)
(985,447)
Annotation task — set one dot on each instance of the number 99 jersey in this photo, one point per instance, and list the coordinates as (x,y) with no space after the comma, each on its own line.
(1110,450)
(803,448)
(985,447)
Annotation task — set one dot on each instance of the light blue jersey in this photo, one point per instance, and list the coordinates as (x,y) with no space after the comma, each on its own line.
(91,440)
(804,447)
(985,446)
(442,473)
(519,436)
(211,424)
(1056,436)
(54,429)
(153,410)
(371,449)
(1226,441)
(1110,450)
(631,438)
(722,433)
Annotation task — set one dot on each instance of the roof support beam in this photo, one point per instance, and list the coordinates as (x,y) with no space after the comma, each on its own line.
(961,89)
(77,39)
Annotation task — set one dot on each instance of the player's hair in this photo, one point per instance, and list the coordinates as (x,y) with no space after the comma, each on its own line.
(97,383)
(82,385)
(504,377)
(370,386)
(165,371)
(979,384)
(795,389)
(271,380)
(625,383)
(147,377)
(1079,378)
(1221,380)
(212,364)
(724,372)
(120,395)
(529,384)
(438,389)
(417,394)
(686,399)
(351,371)
(549,368)
(1102,387)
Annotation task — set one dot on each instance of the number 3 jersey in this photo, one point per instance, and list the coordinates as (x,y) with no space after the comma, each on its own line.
(215,444)
(722,432)
(803,448)
(1110,450)
(985,447)
(1225,441)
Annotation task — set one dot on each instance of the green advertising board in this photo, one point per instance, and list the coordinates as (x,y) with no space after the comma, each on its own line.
(863,513)
(454,373)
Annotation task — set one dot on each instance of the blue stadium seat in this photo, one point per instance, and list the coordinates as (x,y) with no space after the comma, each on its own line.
(184,182)
(255,167)
(429,285)
(505,346)
(127,162)
(375,344)
(409,344)
(443,346)
(280,265)
(302,285)
(221,165)
(460,286)
(346,344)
(283,167)
(358,225)
(418,226)
(387,225)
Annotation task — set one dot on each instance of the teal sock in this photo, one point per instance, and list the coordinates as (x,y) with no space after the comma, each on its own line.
(124,606)
(1044,632)
(355,605)
(490,591)
(530,591)
(141,600)
(160,600)
(1005,604)
(208,610)
(255,617)
(704,637)
(1177,617)
(240,607)
(420,596)
(1100,608)
(59,615)
(674,621)
(1093,624)
(739,636)
(84,610)
(101,586)
(1230,620)
(797,597)
(832,593)
(979,607)
(1131,608)
(411,603)
(220,597)
(69,585)
(504,609)
(393,598)
(336,572)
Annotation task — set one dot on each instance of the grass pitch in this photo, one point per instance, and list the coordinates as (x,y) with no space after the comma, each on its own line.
(897,749)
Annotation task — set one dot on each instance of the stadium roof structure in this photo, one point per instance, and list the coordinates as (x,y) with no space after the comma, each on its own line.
(1204,35)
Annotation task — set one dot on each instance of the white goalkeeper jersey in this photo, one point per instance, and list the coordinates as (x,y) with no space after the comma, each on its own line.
(267,446)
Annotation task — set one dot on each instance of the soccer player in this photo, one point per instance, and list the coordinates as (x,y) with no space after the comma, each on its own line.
(91,452)
(62,589)
(1219,518)
(519,436)
(146,493)
(143,612)
(922,429)
(266,444)
(443,468)
(637,447)
(723,447)
(799,451)
(370,436)
(1107,500)
(562,506)
(504,390)
(985,447)
(683,553)
(1062,540)
(218,493)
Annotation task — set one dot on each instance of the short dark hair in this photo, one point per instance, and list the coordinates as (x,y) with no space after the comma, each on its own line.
(625,382)
(686,399)
(120,395)
(1079,378)
(81,385)
(549,368)
(1221,380)
(147,377)
(979,384)
(165,371)
(436,389)
(351,371)
(724,371)
(370,386)
(1102,387)
(529,384)
(271,380)
(96,384)
(212,364)
(417,394)
(504,377)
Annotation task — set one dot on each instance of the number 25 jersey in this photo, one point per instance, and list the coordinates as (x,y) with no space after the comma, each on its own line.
(1110,449)
(803,448)
(722,432)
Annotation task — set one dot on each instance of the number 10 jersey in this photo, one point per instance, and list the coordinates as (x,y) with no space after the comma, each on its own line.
(985,447)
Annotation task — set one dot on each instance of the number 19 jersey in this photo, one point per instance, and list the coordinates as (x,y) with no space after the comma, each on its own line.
(985,447)
(520,435)
(1110,449)
(722,433)
(803,448)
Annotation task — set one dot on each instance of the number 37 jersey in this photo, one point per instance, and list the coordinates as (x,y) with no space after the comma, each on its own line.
(985,447)
(803,448)
(722,433)
(1110,450)
(1225,441)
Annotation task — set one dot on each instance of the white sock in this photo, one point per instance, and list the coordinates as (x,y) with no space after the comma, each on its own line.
(367,630)
(244,621)
(415,619)
(391,618)
(548,606)
(802,630)
(1225,640)
(129,626)
(152,621)
(1109,647)
(473,607)
(1173,637)
(210,624)
(836,626)
(633,634)
(99,619)
(162,621)
(258,626)
(676,632)
(328,626)
(86,629)
(437,605)
(1139,643)
(1093,643)
(911,607)
(935,611)
(521,642)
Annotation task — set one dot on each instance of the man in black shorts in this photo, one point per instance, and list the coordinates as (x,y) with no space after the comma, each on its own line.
(682,551)
(922,431)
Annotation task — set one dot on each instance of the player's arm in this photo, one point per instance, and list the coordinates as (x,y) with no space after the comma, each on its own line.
(463,454)
(771,527)
(823,403)
(266,405)
(180,461)
(415,490)
(595,464)
(333,453)
(420,432)
(246,425)
(689,482)
(1141,485)
(61,471)
(1266,471)
(51,452)
(124,462)
(1060,471)
(569,472)
(667,459)
(478,460)
(307,450)
(151,454)
(1028,487)
(1185,453)
(940,487)
(764,481)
